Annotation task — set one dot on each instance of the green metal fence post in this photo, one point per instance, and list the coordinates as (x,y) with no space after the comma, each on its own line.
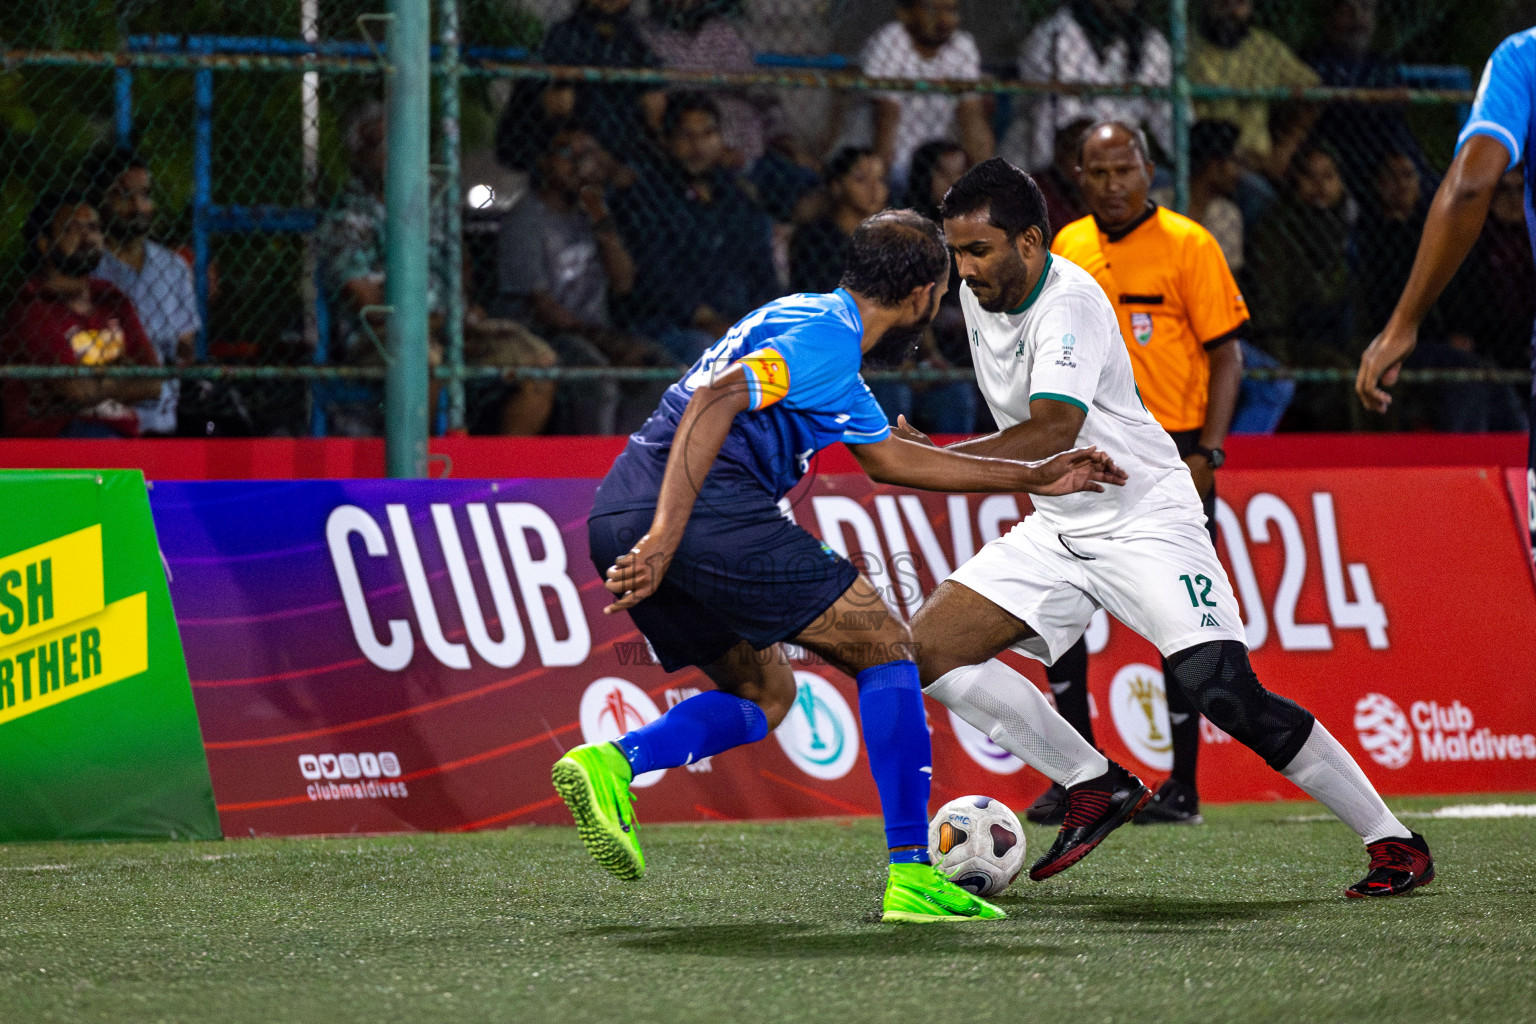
(407,200)
(1179,38)
(448,36)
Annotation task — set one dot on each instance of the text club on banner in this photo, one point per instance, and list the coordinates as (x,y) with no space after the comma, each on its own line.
(98,734)
(386,655)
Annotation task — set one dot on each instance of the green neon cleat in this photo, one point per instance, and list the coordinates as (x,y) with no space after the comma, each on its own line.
(593,780)
(918,894)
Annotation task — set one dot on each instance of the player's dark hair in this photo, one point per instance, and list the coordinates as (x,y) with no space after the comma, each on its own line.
(892,253)
(1011,198)
(843,161)
(686,102)
(40,221)
(1210,141)
(1138,138)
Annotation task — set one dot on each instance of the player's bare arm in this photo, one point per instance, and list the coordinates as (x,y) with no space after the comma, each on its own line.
(1454,222)
(1226,382)
(636,574)
(1051,429)
(926,467)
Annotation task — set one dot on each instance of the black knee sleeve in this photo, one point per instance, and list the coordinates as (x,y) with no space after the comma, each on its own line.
(1219,682)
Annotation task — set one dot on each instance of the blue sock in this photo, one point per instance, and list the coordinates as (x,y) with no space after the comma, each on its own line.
(900,754)
(699,727)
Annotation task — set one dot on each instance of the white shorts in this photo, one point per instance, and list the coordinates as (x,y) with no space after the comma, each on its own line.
(1158,574)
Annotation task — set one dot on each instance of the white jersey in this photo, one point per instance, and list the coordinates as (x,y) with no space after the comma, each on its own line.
(1064,343)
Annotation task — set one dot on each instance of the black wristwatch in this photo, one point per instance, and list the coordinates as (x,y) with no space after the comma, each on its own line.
(1215,456)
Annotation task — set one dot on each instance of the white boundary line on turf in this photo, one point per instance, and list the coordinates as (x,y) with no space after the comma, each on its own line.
(1449,811)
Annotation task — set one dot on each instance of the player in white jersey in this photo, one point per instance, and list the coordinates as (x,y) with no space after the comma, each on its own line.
(1051,364)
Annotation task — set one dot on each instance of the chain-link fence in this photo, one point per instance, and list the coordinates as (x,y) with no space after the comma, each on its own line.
(614,183)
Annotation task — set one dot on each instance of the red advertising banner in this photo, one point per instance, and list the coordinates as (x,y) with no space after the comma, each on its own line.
(390,655)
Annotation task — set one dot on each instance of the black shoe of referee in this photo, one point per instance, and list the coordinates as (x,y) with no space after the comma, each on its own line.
(1397,866)
(1049,808)
(1174,803)
(1094,809)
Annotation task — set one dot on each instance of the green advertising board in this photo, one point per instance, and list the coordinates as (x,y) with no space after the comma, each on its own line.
(98,734)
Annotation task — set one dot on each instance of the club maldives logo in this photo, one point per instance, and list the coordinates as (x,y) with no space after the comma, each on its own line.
(819,734)
(1383,730)
(611,707)
(982,749)
(1139,706)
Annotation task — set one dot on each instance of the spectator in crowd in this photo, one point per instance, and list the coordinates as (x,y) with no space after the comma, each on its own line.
(559,259)
(1228,50)
(65,317)
(536,111)
(1299,285)
(1058,181)
(1493,299)
(856,190)
(1361,133)
(935,167)
(699,35)
(1213,176)
(700,243)
(604,33)
(1090,42)
(155,279)
(925,42)
(1387,235)
(351,248)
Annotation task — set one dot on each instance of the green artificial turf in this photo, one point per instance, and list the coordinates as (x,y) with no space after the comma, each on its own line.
(1238,920)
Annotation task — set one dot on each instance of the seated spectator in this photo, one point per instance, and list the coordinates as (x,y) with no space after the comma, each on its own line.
(935,167)
(1387,236)
(1058,182)
(1213,177)
(699,35)
(1090,42)
(155,279)
(604,33)
(701,245)
(1228,50)
(856,190)
(536,111)
(1361,133)
(65,317)
(1299,287)
(559,259)
(351,249)
(925,42)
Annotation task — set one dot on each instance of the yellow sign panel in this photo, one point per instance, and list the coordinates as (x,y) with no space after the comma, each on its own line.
(85,655)
(49,585)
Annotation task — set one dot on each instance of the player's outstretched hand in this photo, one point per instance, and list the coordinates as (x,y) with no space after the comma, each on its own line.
(907,432)
(1380,365)
(1076,469)
(635,575)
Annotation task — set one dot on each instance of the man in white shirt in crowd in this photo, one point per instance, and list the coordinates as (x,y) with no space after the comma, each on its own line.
(158,281)
(925,42)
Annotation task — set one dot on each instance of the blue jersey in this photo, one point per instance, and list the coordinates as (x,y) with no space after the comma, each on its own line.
(1505,106)
(801,357)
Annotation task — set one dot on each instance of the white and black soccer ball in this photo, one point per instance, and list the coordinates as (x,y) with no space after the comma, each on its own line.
(977,843)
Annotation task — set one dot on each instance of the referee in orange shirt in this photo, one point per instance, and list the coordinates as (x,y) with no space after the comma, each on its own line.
(1181,316)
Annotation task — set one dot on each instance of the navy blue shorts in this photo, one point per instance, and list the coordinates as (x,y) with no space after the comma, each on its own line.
(752,575)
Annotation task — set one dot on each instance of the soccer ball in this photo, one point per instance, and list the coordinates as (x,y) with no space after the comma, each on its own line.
(977,843)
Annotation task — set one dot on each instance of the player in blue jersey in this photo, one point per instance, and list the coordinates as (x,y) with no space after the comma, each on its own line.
(689,530)
(1495,139)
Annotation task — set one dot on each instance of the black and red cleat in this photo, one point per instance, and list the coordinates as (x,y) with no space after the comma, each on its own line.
(1049,808)
(1094,809)
(1397,866)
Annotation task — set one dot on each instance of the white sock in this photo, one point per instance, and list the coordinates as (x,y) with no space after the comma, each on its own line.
(1007,707)
(1326,772)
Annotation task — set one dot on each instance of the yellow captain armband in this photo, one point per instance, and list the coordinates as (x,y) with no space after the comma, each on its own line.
(767,377)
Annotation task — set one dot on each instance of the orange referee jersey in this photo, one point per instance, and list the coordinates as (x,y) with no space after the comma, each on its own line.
(1176,300)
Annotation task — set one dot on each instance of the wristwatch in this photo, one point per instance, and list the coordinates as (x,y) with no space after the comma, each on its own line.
(1215,456)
